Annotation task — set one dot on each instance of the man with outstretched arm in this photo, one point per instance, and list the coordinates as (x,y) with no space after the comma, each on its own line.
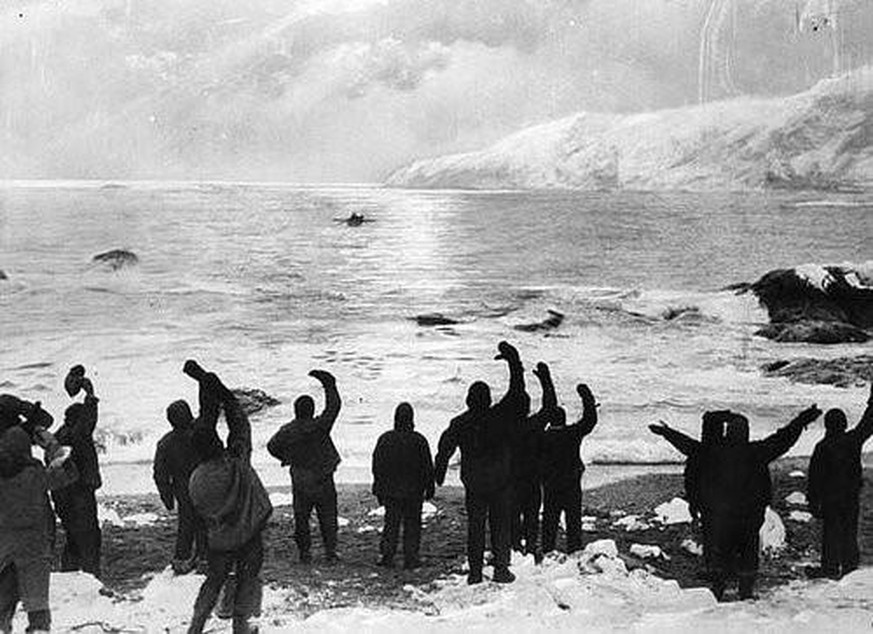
(306,447)
(735,489)
(562,470)
(229,497)
(76,504)
(485,436)
(835,479)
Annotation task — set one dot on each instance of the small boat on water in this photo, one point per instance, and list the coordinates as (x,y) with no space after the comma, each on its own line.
(354,220)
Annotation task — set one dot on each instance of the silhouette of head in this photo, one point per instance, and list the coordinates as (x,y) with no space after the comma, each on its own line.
(737,430)
(479,396)
(304,407)
(712,430)
(73,413)
(835,421)
(179,414)
(559,417)
(403,417)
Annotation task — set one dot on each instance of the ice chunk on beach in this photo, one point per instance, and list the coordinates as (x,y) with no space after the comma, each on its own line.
(800,516)
(428,510)
(797,474)
(631,523)
(796,499)
(367,528)
(605,547)
(815,275)
(107,515)
(647,551)
(342,521)
(378,512)
(142,519)
(281,499)
(772,532)
(692,547)
(673,512)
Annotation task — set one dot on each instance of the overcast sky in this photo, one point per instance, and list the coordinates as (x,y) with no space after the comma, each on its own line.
(347,90)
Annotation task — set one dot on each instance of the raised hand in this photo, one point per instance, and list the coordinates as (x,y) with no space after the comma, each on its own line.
(193,369)
(660,429)
(809,414)
(74,379)
(542,370)
(323,376)
(506,351)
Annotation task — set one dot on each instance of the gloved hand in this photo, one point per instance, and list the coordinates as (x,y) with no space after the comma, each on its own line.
(542,370)
(660,429)
(808,415)
(193,369)
(506,351)
(323,376)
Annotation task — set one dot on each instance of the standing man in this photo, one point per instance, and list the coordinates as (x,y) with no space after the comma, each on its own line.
(735,488)
(175,461)
(562,472)
(485,435)
(834,485)
(231,500)
(402,480)
(76,505)
(305,445)
(527,486)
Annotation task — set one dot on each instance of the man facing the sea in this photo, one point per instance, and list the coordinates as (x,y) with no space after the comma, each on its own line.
(306,447)
(485,435)
(835,480)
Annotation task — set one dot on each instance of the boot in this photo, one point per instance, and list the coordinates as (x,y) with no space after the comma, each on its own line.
(502,574)
(747,585)
(474,577)
(224,609)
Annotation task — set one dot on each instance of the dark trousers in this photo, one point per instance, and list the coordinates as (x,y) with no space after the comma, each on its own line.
(322,498)
(77,509)
(247,562)
(734,540)
(495,508)
(526,503)
(408,512)
(839,540)
(566,499)
(190,533)
(9,597)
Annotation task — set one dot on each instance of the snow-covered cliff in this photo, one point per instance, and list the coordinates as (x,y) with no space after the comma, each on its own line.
(821,138)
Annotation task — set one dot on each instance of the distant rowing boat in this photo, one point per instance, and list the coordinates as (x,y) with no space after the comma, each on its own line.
(354,220)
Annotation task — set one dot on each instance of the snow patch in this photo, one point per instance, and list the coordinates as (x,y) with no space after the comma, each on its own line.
(647,551)
(797,474)
(796,499)
(281,499)
(692,547)
(772,533)
(800,516)
(632,523)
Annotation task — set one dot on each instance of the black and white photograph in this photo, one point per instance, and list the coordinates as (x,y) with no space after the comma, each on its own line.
(436,316)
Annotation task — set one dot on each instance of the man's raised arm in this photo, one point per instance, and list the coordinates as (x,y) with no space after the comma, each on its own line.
(864,429)
(683,443)
(332,401)
(783,438)
(589,410)
(516,397)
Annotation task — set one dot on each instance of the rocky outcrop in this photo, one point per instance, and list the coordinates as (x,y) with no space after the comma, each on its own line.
(840,372)
(116,259)
(434,319)
(549,323)
(817,304)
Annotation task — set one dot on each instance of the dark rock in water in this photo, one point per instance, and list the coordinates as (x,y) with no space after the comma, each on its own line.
(814,332)
(675,312)
(435,319)
(551,322)
(117,258)
(816,304)
(254,400)
(841,372)
(3,275)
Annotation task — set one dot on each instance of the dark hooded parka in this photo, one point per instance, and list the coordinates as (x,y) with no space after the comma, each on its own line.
(562,470)
(228,496)
(834,486)
(402,480)
(175,461)
(485,434)
(735,489)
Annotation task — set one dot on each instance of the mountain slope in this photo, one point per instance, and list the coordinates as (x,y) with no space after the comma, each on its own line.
(821,138)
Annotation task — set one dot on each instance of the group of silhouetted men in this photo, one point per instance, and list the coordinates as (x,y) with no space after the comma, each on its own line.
(728,488)
(521,471)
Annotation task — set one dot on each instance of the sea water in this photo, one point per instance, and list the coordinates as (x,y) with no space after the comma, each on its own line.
(262,283)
